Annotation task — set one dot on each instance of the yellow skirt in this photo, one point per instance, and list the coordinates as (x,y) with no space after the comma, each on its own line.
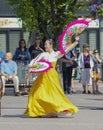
(46,96)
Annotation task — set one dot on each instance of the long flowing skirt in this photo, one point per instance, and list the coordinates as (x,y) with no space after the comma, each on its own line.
(46,96)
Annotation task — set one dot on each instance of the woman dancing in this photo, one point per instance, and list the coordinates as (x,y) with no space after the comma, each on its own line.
(46,97)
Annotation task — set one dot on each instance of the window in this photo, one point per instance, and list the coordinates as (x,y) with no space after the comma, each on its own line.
(101,42)
(14,37)
(3,42)
(92,40)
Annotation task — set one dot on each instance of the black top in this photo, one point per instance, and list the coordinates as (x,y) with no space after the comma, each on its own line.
(34,52)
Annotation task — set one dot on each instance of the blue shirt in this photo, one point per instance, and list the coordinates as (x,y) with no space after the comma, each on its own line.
(9,67)
(26,55)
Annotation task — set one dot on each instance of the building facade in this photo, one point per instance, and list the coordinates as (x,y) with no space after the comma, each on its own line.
(10,31)
(94,37)
(11,34)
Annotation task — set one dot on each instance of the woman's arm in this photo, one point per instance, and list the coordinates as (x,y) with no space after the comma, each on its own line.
(38,58)
(27,55)
(98,58)
(68,49)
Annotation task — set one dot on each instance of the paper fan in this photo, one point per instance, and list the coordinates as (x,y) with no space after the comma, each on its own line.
(65,39)
(40,66)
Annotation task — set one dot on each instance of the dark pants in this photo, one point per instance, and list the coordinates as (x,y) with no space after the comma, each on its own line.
(67,77)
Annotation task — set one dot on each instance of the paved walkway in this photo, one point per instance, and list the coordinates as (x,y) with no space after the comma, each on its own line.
(89,117)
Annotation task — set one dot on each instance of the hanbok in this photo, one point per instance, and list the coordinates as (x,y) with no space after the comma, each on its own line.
(46,95)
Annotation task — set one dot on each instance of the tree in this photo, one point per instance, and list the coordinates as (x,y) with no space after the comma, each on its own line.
(49,17)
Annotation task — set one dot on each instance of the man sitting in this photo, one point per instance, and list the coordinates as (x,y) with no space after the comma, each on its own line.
(9,72)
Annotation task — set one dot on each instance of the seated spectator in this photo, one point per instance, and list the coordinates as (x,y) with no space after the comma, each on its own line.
(9,72)
(22,54)
(36,49)
(22,57)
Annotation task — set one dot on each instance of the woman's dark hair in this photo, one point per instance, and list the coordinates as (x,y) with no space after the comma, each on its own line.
(20,42)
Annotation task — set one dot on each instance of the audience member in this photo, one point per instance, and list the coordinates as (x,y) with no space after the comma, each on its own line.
(96,71)
(22,54)
(9,72)
(36,48)
(67,67)
(85,63)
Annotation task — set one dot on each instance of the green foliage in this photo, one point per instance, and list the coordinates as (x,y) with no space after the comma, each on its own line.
(25,11)
(49,17)
(100,11)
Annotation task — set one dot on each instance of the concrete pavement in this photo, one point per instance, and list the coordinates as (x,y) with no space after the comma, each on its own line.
(89,117)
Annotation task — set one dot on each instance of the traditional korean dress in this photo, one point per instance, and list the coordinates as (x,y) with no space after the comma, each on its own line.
(46,95)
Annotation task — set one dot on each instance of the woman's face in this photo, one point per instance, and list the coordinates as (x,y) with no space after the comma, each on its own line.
(48,46)
(22,43)
(37,41)
(86,50)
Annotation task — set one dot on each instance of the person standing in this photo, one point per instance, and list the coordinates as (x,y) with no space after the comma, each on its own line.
(96,71)
(46,97)
(85,63)
(67,67)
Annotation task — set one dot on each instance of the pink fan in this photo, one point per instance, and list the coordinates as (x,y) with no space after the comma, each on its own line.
(40,66)
(75,27)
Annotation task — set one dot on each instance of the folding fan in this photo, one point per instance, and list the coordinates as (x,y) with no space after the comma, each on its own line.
(40,66)
(65,39)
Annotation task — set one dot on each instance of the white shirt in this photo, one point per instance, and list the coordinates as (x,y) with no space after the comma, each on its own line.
(51,57)
(81,61)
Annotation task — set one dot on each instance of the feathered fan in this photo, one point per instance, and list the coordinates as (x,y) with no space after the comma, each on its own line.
(65,39)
